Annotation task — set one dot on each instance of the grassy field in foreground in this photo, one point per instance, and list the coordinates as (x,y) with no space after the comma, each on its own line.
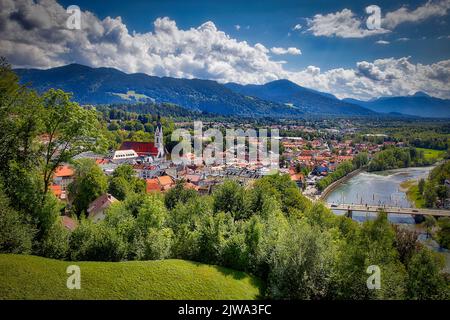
(431,154)
(31,277)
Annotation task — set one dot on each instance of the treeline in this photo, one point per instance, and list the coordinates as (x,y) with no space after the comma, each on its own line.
(436,189)
(396,157)
(342,170)
(435,192)
(132,111)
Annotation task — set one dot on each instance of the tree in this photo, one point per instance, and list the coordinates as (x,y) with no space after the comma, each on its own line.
(124,181)
(443,235)
(228,197)
(156,245)
(119,187)
(96,242)
(429,223)
(214,232)
(406,243)
(68,130)
(20,120)
(89,183)
(55,242)
(16,235)
(301,265)
(421,186)
(178,194)
(424,278)
(430,195)
(372,244)
(361,159)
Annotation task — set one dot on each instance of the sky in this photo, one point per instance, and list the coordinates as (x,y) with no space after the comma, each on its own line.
(324,45)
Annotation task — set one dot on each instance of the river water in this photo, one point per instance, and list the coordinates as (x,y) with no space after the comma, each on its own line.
(378,188)
(383,188)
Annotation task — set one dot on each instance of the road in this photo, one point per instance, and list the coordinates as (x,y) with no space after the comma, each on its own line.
(372,208)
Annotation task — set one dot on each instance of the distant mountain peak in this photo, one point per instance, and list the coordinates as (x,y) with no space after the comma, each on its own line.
(418,104)
(420,94)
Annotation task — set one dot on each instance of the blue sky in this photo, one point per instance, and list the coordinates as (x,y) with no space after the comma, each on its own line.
(270,22)
(323,45)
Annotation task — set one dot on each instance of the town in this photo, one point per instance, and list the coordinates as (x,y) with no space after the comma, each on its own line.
(306,161)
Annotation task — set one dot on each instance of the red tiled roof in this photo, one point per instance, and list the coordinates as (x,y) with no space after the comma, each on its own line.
(141,148)
(165,181)
(152,185)
(68,223)
(63,171)
(192,186)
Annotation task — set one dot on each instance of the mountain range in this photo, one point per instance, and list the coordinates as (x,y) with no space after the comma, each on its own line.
(420,104)
(308,100)
(280,98)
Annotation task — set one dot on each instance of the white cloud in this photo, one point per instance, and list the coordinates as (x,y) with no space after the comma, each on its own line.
(297,27)
(421,13)
(290,50)
(342,24)
(382,42)
(36,36)
(237,27)
(346,24)
(403,39)
(382,77)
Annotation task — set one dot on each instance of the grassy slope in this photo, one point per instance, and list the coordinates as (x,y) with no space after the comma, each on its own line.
(411,189)
(31,277)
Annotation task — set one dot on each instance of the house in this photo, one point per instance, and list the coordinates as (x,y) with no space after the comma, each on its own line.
(166,182)
(96,209)
(58,192)
(193,178)
(68,223)
(162,183)
(63,176)
(192,186)
(152,185)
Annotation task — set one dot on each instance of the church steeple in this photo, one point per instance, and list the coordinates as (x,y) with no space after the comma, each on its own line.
(159,141)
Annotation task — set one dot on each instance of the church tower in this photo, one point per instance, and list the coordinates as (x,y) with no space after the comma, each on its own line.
(159,141)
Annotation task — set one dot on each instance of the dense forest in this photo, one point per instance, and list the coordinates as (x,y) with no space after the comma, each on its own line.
(394,158)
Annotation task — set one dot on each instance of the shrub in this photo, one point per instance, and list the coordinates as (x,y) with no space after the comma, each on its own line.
(96,242)
(16,234)
(55,243)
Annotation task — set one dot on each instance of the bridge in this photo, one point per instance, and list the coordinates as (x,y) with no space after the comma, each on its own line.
(374,208)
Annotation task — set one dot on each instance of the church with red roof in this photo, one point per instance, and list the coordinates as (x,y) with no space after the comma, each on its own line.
(148,149)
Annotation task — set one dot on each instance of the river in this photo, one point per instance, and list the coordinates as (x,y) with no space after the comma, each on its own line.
(378,188)
(384,188)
